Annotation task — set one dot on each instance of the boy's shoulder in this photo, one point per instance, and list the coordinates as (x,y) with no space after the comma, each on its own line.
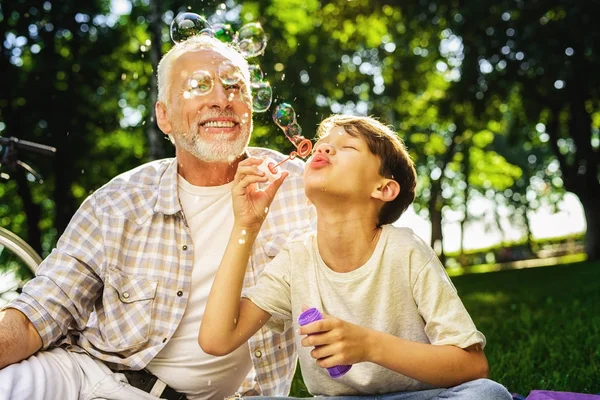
(405,240)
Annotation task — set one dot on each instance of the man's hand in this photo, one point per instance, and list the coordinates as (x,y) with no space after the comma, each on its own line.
(336,342)
(251,205)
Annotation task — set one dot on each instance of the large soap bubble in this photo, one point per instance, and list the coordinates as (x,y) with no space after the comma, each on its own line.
(262,96)
(251,40)
(186,25)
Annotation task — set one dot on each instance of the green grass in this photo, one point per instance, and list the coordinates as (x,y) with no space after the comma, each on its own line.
(542,326)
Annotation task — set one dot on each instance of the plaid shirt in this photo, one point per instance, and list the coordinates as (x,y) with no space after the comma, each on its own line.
(119,280)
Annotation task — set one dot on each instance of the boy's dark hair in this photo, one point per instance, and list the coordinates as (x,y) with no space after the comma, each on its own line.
(396,163)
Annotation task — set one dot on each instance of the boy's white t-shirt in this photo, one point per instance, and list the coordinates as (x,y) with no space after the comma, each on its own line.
(182,362)
(402,289)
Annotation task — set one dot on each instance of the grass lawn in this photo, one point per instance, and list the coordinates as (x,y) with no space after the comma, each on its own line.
(542,326)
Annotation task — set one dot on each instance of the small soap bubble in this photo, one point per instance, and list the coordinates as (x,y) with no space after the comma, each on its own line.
(251,40)
(256,74)
(243,231)
(186,25)
(223,32)
(229,73)
(262,95)
(294,130)
(266,210)
(241,241)
(200,83)
(284,115)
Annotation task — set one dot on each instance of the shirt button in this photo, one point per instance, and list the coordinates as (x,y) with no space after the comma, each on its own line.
(257,354)
(125,295)
(184,247)
(180,293)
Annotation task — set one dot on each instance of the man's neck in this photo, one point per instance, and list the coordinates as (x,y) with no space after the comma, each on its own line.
(202,173)
(346,238)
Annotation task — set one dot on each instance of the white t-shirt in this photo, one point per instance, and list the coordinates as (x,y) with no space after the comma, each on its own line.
(182,362)
(402,289)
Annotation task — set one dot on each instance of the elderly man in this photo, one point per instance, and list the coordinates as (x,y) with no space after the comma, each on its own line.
(114,310)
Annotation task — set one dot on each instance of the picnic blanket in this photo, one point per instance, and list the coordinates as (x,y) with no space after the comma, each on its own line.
(551,395)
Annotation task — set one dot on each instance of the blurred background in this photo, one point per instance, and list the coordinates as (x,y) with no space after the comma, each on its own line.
(498,103)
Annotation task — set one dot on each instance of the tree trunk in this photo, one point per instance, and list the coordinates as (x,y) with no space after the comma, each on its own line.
(436,202)
(435,215)
(592,219)
(466,173)
(155,136)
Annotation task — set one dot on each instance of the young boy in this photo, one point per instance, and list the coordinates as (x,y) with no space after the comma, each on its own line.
(390,309)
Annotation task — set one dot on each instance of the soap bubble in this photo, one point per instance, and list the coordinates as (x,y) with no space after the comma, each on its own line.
(294,130)
(284,115)
(256,74)
(229,73)
(200,83)
(186,25)
(251,40)
(223,32)
(262,95)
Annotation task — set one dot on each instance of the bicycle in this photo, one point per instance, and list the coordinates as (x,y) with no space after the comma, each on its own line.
(16,255)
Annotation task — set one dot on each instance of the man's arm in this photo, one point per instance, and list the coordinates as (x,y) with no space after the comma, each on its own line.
(18,337)
(341,343)
(229,322)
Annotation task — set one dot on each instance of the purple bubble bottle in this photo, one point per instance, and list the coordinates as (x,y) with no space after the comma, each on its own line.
(312,315)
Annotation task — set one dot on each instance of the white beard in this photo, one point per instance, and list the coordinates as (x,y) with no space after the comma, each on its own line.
(218,149)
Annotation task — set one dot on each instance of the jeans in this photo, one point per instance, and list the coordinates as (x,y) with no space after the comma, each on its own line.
(480,389)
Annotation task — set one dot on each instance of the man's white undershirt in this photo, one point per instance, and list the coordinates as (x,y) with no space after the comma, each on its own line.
(182,364)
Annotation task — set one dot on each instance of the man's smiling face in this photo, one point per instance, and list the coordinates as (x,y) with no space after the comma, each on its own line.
(215,126)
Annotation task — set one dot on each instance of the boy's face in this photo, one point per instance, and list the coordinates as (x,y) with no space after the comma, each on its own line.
(342,165)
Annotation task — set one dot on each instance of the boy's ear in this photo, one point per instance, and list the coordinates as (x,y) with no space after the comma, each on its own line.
(162,119)
(387,190)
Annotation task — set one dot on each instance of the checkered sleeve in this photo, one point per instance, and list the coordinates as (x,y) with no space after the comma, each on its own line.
(68,281)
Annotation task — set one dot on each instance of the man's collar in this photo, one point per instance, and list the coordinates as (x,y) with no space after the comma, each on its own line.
(166,202)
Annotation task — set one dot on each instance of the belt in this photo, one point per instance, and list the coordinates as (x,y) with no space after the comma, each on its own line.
(149,383)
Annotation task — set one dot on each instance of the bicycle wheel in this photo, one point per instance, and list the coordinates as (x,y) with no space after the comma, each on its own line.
(18,263)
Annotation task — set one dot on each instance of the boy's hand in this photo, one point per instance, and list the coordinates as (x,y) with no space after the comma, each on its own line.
(251,205)
(336,342)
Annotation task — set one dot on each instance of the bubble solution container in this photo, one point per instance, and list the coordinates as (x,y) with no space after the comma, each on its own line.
(312,315)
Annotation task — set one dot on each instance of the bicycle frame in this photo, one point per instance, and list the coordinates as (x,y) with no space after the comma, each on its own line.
(20,248)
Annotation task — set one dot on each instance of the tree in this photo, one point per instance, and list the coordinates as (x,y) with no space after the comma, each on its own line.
(530,50)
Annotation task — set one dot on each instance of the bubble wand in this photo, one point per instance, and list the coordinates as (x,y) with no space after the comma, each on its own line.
(284,117)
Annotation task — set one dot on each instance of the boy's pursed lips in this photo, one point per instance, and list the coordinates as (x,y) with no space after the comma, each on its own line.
(319,160)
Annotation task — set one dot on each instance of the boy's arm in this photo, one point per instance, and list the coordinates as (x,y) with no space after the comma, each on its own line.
(441,366)
(229,322)
(341,343)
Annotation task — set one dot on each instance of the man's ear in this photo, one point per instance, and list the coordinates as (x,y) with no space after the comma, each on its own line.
(387,190)
(162,119)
